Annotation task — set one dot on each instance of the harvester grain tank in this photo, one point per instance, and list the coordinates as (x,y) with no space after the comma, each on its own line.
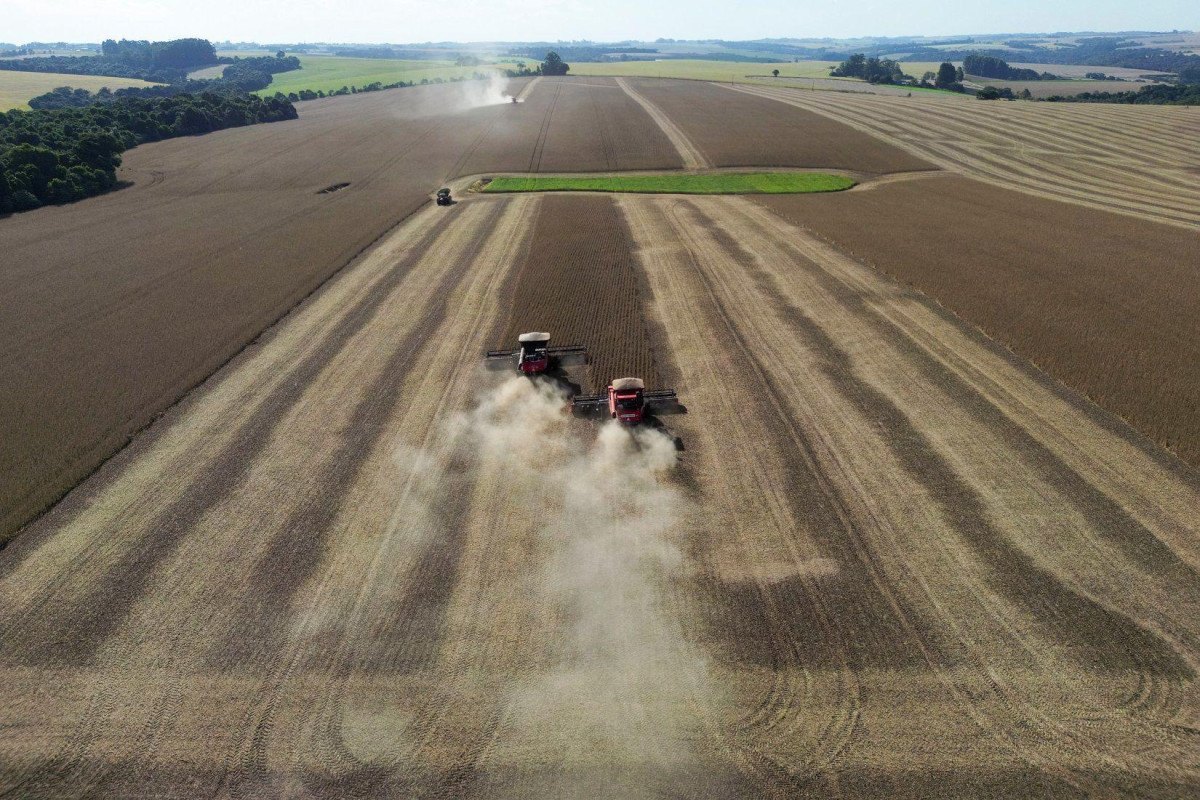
(535,356)
(628,402)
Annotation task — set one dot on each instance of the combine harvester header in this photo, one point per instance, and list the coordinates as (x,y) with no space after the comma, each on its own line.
(628,402)
(535,356)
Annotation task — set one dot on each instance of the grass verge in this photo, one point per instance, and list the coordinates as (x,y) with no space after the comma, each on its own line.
(718,183)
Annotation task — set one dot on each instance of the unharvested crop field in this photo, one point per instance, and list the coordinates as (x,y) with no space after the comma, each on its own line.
(703,183)
(893,559)
(17,88)
(734,129)
(579,281)
(1138,160)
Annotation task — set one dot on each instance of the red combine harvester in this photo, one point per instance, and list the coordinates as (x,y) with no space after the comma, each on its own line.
(628,402)
(535,356)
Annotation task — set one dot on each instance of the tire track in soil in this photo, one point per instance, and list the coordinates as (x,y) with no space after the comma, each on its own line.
(539,146)
(176,646)
(1014,712)
(94,617)
(922,131)
(414,621)
(688,152)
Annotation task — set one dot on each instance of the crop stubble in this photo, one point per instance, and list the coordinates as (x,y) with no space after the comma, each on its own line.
(1102,302)
(1136,160)
(921,585)
(117,305)
(913,566)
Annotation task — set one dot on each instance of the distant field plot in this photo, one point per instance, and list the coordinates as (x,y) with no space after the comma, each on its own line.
(570,125)
(705,70)
(1104,303)
(733,129)
(329,73)
(713,183)
(17,88)
(804,74)
(1138,160)
(1063,88)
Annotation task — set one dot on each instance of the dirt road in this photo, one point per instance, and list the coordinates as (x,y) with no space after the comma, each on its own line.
(892,560)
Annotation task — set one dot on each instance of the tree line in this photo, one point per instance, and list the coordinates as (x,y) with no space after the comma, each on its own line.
(53,156)
(553,65)
(987,66)
(162,62)
(1158,94)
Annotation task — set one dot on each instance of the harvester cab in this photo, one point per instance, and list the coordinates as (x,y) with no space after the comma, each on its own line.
(628,402)
(535,356)
(443,197)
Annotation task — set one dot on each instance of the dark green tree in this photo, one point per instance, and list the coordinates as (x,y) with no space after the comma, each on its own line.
(946,76)
(554,65)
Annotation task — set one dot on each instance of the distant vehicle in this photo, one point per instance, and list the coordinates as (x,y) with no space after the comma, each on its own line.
(628,402)
(443,198)
(514,99)
(535,356)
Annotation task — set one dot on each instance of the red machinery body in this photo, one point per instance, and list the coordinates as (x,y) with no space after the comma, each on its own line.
(628,402)
(534,355)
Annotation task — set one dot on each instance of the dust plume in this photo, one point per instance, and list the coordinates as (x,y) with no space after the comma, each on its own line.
(615,710)
(490,91)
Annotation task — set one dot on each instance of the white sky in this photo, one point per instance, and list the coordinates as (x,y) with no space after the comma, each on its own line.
(600,20)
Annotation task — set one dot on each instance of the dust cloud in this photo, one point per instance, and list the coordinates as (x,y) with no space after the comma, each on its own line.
(618,704)
(490,91)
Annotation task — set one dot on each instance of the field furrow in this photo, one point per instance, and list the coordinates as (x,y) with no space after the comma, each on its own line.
(1042,149)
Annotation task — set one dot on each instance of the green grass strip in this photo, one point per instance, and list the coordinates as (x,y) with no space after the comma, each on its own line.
(719,183)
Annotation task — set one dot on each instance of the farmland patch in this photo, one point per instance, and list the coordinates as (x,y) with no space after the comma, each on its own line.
(687,183)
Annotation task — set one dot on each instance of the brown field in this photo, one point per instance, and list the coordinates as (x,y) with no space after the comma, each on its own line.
(568,125)
(580,283)
(894,559)
(733,130)
(115,306)
(1137,160)
(1108,307)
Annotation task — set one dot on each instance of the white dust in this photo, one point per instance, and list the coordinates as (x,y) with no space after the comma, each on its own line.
(618,700)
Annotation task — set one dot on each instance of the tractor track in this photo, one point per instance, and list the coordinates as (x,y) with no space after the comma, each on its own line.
(893,559)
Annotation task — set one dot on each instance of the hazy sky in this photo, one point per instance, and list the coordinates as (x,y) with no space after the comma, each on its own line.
(476,20)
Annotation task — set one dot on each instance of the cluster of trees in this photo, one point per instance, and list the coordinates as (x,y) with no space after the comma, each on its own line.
(377,86)
(252,74)
(991,67)
(1159,94)
(994,93)
(872,70)
(553,65)
(94,65)
(1097,51)
(52,156)
(178,53)
(163,62)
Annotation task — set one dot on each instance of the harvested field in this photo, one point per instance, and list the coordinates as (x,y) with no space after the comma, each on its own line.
(892,562)
(1133,159)
(690,183)
(115,306)
(732,131)
(1102,302)
(894,559)
(578,281)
